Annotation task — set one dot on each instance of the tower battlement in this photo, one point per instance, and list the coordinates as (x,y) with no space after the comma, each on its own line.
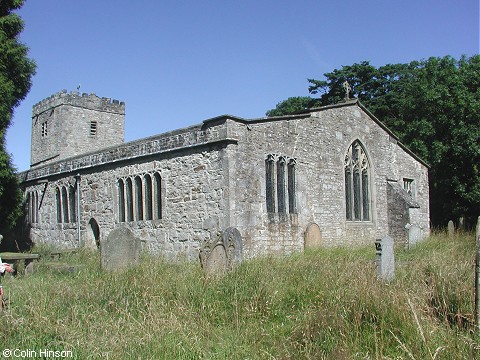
(84,100)
(70,124)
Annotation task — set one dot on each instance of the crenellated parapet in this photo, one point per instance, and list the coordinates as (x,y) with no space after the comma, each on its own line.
(84,100)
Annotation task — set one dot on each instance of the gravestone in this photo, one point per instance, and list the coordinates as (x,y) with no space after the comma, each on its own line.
(461,223)
(232,241)
(223,253)
(385,260)
(451,229)
(313,237)
(414,234)
(120,250)
(217,261)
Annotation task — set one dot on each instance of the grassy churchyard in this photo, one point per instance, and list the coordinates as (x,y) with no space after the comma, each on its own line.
(319,304)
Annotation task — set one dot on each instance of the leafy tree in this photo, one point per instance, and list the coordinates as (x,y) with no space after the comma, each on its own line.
(16,70)
(292,105)
(434,107)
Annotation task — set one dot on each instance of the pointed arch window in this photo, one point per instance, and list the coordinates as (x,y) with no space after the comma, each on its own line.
(357,179)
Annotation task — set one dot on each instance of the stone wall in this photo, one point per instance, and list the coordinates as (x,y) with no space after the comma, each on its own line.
(319,143)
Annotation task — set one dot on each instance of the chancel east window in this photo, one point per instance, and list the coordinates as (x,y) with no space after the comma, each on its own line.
(280,184)
(357,178)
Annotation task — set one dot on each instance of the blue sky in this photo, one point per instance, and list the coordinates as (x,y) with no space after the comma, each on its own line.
(176,63)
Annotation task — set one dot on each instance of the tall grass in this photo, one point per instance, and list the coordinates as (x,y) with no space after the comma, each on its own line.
(319,304)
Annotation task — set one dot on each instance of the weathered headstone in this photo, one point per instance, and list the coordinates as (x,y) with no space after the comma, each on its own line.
(461,223)
(385,260)
(451,229)
(414,234)
(313,237)
(222,253)
(216,263)
(121,249)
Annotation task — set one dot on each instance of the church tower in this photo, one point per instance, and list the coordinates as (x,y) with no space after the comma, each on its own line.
(69,124)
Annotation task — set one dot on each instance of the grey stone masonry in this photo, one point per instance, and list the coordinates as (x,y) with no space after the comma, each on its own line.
(270,179)
(68,124)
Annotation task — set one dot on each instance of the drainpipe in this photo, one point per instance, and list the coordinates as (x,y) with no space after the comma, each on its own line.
(77,183)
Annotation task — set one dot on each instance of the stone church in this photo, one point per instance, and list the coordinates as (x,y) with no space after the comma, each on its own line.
(329,176)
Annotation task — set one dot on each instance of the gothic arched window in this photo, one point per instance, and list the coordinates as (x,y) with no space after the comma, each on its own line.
(357,177)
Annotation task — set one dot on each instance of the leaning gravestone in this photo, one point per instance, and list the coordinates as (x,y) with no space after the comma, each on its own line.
(313,237)
(451,229)
(121,249)
(385,260)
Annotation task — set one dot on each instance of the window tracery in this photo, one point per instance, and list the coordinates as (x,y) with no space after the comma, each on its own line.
(280,184)
(357,177)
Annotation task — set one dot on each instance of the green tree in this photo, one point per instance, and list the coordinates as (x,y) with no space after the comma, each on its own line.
(16,71)
(433,106)
(292,105)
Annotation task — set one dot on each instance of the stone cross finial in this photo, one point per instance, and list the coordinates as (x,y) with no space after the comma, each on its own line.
(347,88)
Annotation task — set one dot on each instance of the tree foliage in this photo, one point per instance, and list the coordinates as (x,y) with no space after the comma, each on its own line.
(16,70)
(433,106)
(292,105)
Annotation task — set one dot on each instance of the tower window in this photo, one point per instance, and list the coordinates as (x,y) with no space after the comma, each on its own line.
(93,128)
(44,128)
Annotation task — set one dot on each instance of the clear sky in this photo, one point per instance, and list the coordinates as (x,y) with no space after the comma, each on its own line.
(176,63)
